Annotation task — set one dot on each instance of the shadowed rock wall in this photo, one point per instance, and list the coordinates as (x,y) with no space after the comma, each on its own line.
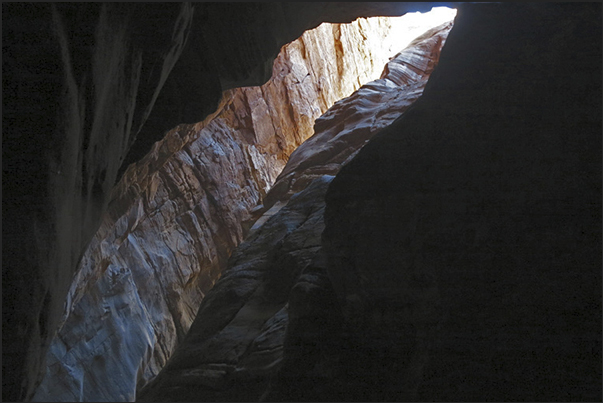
(461,253)
(464,241)
(520,102)
(77,88)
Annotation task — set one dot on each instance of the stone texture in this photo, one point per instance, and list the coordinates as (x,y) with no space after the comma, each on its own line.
(176,215)
(235,345)
(88,88)
(350,123)
(74,103)
(236,341)
(555,91)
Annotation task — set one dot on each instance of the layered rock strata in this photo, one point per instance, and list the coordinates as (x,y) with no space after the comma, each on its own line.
(175,216)
(530,75)
(236,341)
(235,345)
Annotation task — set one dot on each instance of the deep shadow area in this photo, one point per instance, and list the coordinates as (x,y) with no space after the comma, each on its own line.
(473,223)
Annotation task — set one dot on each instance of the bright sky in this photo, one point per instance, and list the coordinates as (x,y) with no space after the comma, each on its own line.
(410,25)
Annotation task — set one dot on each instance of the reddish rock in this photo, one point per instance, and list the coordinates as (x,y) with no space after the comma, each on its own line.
(92,87)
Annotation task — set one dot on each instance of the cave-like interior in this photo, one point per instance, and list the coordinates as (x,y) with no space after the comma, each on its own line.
(438,238)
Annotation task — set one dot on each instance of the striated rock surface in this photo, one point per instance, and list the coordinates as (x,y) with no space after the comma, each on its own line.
(175,216)
(350,123)
(515,108)
(460,259)
(235,345)
(78,89)
(236,341)
(88,88)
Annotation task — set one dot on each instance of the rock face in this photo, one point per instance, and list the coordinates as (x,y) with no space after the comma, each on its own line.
(501,161)
(176,215)
(235,344)
(88,88)
(236,341)
(461,252)
(75,99)
(350,123)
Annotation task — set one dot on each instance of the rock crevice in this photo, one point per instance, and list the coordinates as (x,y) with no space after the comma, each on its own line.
(279,269)
(176,215)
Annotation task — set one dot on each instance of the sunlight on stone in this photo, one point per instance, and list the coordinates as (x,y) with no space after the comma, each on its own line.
(367,44)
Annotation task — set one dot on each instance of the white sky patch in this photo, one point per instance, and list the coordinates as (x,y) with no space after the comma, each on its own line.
(411,25)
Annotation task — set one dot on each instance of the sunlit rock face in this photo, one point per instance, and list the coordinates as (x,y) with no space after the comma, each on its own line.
(235,344)
(236,341)
(176,215)
(350,123)
(514,111)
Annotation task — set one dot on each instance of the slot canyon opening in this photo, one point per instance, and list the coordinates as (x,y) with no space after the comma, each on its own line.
(477,211)
(177,215)
(337,59)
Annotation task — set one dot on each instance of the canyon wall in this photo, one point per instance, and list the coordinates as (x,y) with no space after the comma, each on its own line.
(175,216)
(88,88)
(460,257)
(342,131)
(235,344)
(78,90)
(517,274)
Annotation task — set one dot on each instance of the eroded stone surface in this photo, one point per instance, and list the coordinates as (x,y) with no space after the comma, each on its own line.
(563,96)
(236,341)
(351,122)
(235,345)
(176,215)
(91,87)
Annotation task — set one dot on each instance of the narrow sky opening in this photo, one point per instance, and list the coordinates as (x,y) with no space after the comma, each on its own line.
(376,40)
(410,25)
